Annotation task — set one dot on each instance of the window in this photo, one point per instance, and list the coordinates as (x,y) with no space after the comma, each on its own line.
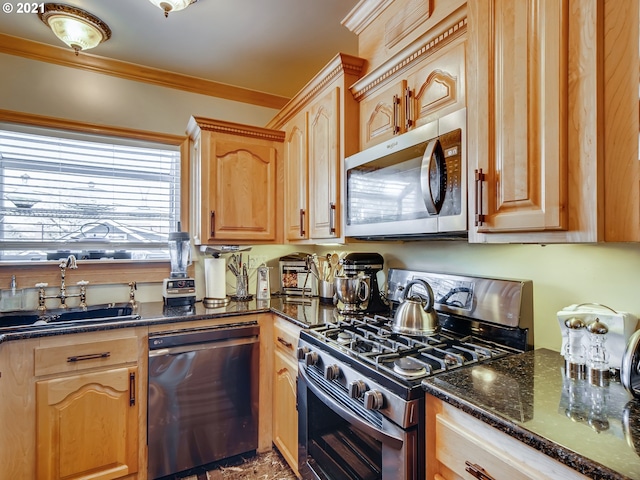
(93,196)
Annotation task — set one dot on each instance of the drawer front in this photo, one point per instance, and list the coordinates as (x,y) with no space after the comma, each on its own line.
(285,336)
(81,356)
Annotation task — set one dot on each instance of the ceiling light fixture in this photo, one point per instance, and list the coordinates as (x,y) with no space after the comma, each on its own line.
(172,5)
(76,27)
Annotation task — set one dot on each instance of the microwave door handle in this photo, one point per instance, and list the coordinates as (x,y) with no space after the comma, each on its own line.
(433,153)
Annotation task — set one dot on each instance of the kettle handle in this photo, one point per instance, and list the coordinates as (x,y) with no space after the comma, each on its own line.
(427,287)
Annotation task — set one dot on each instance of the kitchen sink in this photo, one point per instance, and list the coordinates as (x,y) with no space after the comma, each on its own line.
(70,316)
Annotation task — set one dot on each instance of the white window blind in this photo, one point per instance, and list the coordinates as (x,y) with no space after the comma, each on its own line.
(73,193)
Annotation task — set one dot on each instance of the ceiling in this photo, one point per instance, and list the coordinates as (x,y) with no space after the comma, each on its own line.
(271,46)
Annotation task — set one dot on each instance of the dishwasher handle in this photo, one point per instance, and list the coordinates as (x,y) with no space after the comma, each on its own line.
(231,342)
(202,335)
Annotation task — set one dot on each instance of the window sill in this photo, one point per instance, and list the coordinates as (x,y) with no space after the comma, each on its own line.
(97,272)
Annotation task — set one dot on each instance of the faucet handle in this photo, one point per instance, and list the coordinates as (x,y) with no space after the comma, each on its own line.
(83,283)
(42,285)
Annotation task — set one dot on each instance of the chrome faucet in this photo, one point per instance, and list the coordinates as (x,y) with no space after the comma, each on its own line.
(69,262)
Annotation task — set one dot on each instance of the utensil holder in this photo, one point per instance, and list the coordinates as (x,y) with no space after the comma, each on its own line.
(242,288)
(326,291)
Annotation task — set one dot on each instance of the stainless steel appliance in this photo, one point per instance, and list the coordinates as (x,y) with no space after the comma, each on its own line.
(411,186)
(360,402)
(179,289)
(296,277)
(370,265)
(203,397)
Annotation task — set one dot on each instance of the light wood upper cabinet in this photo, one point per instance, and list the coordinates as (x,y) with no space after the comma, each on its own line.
(296,179)
(425,82)
(549,133)
(236,181)
(324,165)
(329,115)
(518,122)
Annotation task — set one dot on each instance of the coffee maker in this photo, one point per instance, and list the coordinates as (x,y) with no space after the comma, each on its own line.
(368,265)
(179,289)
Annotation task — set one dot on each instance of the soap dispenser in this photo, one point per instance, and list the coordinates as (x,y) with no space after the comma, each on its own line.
(11,299)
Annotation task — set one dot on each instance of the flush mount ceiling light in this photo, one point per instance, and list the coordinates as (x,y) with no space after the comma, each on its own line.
(76,27)
(172,5)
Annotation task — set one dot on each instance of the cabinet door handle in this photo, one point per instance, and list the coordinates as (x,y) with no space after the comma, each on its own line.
(396,114)
(132,389)
(477,471)
(480,178)
(332,218)
(408,122)
(90,356)
(285,343)
(302,222)
(212,223)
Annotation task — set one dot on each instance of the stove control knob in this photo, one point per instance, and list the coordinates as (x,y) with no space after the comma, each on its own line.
(357,388)
(332,372)
(302,351)
(373,400)
(310,359)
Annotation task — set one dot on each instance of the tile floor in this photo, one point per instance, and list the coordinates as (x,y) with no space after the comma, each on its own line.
(263,466)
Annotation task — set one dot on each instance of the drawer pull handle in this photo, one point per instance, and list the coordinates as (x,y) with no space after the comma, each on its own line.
(132,389)
(477,471)
(90,356)
(285,343)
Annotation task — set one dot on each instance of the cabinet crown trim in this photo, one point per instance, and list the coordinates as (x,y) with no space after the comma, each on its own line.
(365,12)
(437,38)
(341,64)
(221,126)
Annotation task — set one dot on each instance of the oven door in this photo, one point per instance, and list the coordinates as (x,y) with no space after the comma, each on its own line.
(340,440)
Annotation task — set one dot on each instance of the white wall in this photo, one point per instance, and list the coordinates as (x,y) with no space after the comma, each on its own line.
(52,90)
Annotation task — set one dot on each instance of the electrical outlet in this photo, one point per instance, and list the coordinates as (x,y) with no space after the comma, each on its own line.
(256,260)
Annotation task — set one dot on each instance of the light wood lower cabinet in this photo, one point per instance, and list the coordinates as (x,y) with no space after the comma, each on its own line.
(72,407)
(285,371)
(87,425)
(461,447)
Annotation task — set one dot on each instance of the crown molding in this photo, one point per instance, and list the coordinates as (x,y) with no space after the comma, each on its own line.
(11,116)
(86,61)
(221,126)
(365,12)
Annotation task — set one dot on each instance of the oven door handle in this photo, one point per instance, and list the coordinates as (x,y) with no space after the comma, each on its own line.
(350,417)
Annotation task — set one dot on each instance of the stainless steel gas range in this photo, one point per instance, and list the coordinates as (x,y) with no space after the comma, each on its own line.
(360,402)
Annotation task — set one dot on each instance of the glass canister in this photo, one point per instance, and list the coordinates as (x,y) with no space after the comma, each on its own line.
(575,353)
(597,355)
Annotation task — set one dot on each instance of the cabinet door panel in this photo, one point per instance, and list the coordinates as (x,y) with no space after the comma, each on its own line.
(438,88)
(324,165)
(382,115)
(296,179)
(245,181)
(285,420)
(87,426)
(521,122)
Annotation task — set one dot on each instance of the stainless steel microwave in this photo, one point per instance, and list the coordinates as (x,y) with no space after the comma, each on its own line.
(414,185)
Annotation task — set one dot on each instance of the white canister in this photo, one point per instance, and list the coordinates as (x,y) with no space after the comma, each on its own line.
(263,291)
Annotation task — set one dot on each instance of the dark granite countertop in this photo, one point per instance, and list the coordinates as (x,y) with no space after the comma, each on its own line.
(595,430)
(302,312)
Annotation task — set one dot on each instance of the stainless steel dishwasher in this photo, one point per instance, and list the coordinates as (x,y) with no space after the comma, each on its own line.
(203,396)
